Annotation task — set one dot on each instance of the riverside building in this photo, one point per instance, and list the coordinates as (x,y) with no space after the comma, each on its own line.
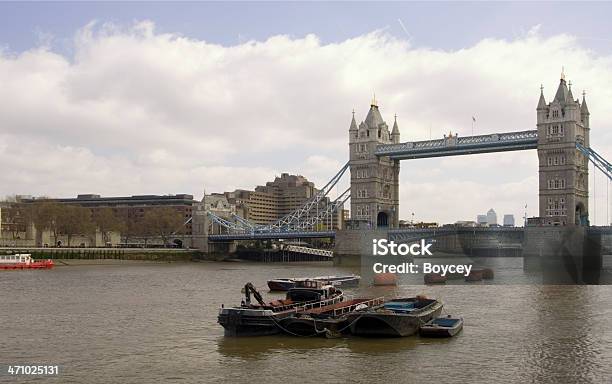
(265,204)
(276,199)
(133,206)
(18,228)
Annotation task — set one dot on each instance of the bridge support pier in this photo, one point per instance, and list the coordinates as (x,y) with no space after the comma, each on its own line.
(351,245)
(564,255)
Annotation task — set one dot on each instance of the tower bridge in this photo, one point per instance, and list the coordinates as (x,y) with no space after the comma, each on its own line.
(561,140)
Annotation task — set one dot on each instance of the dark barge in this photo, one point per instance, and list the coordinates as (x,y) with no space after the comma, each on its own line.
(263,318)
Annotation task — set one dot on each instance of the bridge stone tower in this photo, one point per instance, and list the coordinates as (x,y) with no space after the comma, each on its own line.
(374,180)
(563,170)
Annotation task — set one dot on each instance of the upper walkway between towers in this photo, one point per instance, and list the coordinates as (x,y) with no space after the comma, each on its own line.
(453,145)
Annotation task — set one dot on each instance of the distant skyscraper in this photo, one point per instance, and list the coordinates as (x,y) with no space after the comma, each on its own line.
(481,219)
(491,217)
(508,220)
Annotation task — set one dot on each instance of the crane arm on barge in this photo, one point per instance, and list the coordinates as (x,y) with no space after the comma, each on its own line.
(250,288)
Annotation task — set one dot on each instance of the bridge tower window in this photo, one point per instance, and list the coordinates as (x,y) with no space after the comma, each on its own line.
(387,191)
(362,173)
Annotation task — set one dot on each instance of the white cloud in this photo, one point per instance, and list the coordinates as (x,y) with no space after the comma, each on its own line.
(135,111)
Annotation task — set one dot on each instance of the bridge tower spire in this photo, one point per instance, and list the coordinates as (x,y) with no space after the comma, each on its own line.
(395,133)
(353,128)
(584,111)
(374,180)
(563,190)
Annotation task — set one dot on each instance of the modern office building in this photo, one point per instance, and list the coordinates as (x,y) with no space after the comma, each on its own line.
(491,217)
(508,220)
(276,199)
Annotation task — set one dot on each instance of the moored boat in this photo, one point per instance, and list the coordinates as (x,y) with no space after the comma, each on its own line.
(442,327)
(434,278)
(396,318)
(281,284)
(476,274)
(341,281)
(488,274)
(284,284)
(384,279)
(263,318)
(23,261)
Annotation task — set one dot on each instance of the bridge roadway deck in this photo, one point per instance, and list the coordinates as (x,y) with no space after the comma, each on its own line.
(454,145)
(400,234)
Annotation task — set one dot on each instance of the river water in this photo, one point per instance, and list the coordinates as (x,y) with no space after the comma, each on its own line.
(148,323)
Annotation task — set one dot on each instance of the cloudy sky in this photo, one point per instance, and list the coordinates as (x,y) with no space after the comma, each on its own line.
(138,98)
